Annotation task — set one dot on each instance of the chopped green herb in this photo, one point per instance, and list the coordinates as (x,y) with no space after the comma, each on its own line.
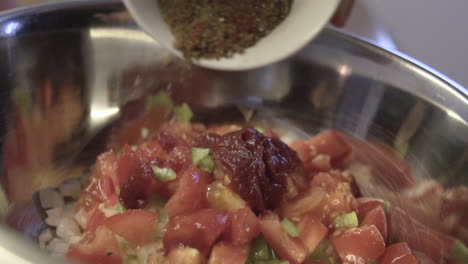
(144,133)
(123,244)
(260,129)
(183,112)
(324,253)
(459,253)
(260,250)
(386,206)
(163,174)
(156,203)
(202,159)
(290,227)
(160,99)
(131,259)
(346,221)
(219,28)
(120,207)
(161,224)
(22,99)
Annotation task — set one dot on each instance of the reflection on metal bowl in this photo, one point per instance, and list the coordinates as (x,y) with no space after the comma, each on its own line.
(72,71)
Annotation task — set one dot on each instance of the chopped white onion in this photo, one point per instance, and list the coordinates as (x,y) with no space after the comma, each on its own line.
(53,216)
(59,246)
(67,228)
(75,239)
(50,198)
(71,189)
(81,217)
(45,236)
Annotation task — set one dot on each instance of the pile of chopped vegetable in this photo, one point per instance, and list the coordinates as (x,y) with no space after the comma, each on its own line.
(182,192)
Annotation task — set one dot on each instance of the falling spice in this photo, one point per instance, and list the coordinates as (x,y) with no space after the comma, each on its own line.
(213,29)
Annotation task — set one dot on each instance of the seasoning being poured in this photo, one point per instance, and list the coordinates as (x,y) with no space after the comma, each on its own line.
(213,29)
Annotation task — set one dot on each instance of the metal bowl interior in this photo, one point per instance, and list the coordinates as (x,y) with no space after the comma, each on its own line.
(68,69)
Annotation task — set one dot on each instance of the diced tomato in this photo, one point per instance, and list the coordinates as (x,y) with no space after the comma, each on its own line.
(102,183)
(404,228)
(99,247)
(398,253)
(139,187)
(333,144)
(306,202)
(311,232)
(150,152)
(135,226)
(179,151)
(358,245)
(306,154)
(183,255)
(191,192)
(198,230)
(338,198)
(107,167)
(224,253)
(287,247)
(103,180)
(425,241)
(128,163)
(366,204)
(377,218)
(422,258)
(242,227)
(96,219)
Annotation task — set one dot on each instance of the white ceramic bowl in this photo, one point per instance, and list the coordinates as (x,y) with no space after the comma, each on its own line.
(306,20)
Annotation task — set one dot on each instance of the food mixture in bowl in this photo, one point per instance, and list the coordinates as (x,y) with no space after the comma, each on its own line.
(169,190)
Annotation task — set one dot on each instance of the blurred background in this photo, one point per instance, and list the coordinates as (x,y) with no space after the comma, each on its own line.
(432,31)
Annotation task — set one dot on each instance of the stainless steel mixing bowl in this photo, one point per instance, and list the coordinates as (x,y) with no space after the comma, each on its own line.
(67,69)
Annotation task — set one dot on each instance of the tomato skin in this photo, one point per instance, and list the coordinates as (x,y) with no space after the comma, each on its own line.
(308,201)
(135,226)
(94,248)
(366,204)
(287,247)
(191,192)
(398,253)
(330,143)
(358,245)
(338,198)
(198,230)
(311,232)
(224,253)
(150,152)
(403,227)
(377,218)
(102,183)
(333,144)
(96,219)
(128,162)
(241,228)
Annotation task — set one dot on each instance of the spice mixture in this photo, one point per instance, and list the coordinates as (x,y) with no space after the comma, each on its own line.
(220,28)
